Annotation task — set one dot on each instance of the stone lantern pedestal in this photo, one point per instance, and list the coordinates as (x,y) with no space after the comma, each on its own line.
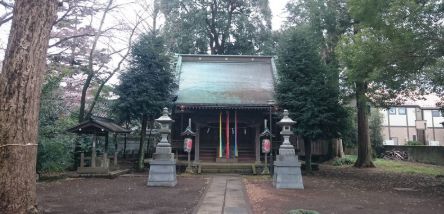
(163,165)
(287,168)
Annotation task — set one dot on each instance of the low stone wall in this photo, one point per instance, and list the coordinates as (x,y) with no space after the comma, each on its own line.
(422,154)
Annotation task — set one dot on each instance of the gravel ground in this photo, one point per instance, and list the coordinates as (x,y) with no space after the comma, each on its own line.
(125,194)
(351,190)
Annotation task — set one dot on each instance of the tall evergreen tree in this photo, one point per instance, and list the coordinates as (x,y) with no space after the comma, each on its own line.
(147,86)
(218,26)
(392,45)
(327,20)
(304,89)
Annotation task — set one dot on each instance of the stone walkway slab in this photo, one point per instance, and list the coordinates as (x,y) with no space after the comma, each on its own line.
(226,194)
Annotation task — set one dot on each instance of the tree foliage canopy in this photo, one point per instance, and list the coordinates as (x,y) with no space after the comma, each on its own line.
(391,47)
(303,88)
(386,55)
(222,27)
(327,20)
(148,84)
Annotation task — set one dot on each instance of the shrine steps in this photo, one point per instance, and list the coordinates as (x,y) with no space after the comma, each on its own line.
(245,154)
(227,168)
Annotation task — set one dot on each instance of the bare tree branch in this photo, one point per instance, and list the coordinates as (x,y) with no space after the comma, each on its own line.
(90,62)
(5,18)
(70,37)
(55,54)
(64,15)
(123,59)
(6,4)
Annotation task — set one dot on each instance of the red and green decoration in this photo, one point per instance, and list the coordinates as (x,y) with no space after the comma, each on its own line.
(227,135)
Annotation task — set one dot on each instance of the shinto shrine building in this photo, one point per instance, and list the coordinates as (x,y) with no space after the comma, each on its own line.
(227,99)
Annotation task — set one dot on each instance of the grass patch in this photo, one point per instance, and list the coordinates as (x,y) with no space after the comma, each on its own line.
(347,160)
(396,166)
(409,167)
(301,211)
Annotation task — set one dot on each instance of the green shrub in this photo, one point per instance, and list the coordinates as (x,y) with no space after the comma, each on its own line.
(55,154)
(301,211)
(413,143)
(347,160)
(55,149)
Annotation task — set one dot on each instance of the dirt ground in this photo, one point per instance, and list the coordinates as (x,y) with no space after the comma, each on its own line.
(125,194)
(351,190)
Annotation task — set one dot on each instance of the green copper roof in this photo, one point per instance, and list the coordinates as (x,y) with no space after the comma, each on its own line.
(229,80)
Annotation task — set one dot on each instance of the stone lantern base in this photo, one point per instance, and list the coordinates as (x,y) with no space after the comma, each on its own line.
(162,173)
(163,166)
(287,170)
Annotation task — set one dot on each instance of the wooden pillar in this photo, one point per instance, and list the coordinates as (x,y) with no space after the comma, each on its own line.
(115,158)
(106,142)
(115,142)
(197,146)
(124,146)
(82,160)
(93,152)
(257,144)
(271,128)
(105,163)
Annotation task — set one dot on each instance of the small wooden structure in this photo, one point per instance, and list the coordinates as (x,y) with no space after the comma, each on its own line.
(98,126)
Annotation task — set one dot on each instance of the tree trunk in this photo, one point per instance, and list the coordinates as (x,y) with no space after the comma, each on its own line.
(364,148)
(307,149)
(338,149)
(149,136)
(83,97)
(125,141)
(91,63)
(20,88)
(142,141)
(341,148)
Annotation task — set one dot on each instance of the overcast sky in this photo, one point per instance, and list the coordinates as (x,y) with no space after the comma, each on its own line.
(277,7)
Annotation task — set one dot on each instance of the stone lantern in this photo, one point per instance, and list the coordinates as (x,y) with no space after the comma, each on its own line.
(163,165)
(287,168)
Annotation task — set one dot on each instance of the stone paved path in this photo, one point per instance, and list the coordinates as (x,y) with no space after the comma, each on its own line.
(226,194)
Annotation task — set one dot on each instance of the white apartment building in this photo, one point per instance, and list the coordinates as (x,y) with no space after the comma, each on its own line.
(412,122)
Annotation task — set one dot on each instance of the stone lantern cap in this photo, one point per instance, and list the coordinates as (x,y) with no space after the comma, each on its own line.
(165,119)
(286,120)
